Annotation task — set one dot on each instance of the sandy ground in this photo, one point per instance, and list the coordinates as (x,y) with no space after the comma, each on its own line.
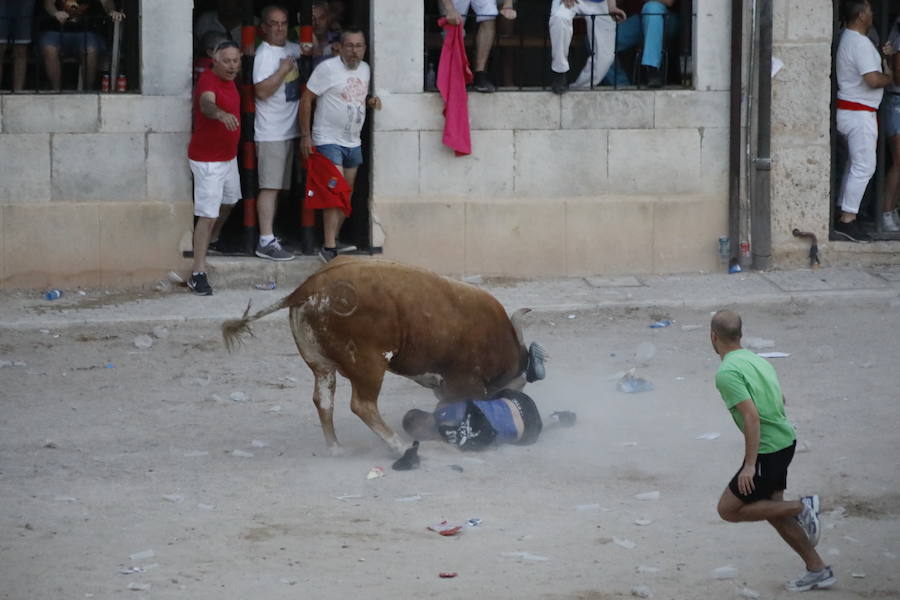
(95,434)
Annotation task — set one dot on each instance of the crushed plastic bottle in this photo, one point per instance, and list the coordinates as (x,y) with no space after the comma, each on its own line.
(629,384)
(661,324)
(726,572)
(143,342)
(53,294)
(642,591)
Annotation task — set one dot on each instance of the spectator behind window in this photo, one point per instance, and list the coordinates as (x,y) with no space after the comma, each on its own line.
(16,17)
(649,24)
(75,28)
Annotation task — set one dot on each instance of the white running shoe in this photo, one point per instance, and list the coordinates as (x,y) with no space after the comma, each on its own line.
(812,581)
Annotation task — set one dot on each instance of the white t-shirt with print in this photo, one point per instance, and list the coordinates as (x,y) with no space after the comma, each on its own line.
(856,56)
(276,116)
(341,102)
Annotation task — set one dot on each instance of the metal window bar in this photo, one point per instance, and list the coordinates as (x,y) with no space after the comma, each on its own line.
(100,31)
(518,71)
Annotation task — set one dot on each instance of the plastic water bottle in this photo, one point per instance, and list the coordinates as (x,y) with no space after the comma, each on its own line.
(53,294)
(430,78)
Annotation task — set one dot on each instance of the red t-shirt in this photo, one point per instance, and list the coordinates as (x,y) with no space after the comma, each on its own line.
(211,142)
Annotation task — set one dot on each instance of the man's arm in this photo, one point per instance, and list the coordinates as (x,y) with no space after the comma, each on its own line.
(896,61)
(750,417)
(110,7)
(210,109)
(451,13)
(50,8)
(618,15)
(305,116)
(268,86)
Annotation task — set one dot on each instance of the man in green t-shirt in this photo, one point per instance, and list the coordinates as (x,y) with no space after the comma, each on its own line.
(751,392)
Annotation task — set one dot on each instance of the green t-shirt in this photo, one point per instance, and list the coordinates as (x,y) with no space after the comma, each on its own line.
(743,375)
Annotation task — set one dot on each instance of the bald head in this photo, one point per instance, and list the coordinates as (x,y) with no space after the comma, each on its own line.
(726,324)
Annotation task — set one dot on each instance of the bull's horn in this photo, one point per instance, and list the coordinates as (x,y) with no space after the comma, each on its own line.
(516,319)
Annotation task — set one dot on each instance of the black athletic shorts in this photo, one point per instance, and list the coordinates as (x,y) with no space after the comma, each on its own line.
(770,477)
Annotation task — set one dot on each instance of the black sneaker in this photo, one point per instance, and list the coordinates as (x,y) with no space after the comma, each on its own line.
(215,248)
(327,254)
(559,84)
(199,285)
(851,231)
(483,84)
(652,77)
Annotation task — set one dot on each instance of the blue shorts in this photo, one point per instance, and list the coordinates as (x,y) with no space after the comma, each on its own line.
(342,156)
(15,21)
(72,43)
(890,115)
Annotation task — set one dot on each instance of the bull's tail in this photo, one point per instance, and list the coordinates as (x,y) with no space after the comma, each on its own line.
(234,330)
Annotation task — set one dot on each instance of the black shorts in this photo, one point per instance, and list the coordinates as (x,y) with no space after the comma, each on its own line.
(531,416)
(770,477)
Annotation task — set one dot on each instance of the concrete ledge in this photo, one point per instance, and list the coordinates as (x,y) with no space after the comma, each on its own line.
(540,236)
(50,113)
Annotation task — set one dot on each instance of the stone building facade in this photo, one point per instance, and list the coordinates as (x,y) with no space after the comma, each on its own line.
(95,189)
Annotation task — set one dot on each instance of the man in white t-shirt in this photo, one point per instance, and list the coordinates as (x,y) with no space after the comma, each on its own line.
(276,80)
(890,120)
(339,87)
(861,84)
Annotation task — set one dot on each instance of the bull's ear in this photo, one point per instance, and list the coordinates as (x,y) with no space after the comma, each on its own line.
(516,320)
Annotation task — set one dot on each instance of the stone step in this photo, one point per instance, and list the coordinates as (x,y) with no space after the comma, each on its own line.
(235,272)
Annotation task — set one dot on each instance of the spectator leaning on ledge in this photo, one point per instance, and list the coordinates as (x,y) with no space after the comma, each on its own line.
(71,28)
(486,17)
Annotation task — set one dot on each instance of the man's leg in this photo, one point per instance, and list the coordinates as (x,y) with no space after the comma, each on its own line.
(603,45)
(52,66)
(484,40)
(560,35)
(653,23)
(202,231)
(265,208)
(861,130)
(892,183)
(628,36)
(216,230)
(20,58)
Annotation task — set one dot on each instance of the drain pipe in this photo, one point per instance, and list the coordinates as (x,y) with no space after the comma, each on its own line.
(761,202)
(734,142)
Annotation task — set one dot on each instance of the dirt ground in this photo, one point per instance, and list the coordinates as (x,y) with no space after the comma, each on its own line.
(107,451)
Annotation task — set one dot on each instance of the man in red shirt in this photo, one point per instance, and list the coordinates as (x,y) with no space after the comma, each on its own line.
(212,154)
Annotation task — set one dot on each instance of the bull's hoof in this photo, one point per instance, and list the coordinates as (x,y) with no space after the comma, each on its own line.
(409,460)
(337,450)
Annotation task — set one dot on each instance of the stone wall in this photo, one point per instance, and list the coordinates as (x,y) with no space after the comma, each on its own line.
(95,187)
(588,182)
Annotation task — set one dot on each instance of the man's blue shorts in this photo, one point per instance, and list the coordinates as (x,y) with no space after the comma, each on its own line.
(342,156)
(72,43)
(15,21)
(890,114)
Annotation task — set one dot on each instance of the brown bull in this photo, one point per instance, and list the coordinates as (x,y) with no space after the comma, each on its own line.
(362,317)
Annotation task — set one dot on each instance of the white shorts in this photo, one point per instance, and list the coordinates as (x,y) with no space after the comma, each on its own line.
(215,184)
(485,10)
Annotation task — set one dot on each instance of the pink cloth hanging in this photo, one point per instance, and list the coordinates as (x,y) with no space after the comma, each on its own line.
(452,76)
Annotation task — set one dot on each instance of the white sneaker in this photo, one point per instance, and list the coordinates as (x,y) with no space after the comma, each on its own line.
(889,221)
(809,518)
(812,581)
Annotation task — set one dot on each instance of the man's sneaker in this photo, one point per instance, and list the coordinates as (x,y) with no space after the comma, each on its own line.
(327,254)
(851,231)
(889,222)
(341,247)
(812,581)
(483,84)
(273,251)
(560,83)
(199,285)
(652,77)
(809,518)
